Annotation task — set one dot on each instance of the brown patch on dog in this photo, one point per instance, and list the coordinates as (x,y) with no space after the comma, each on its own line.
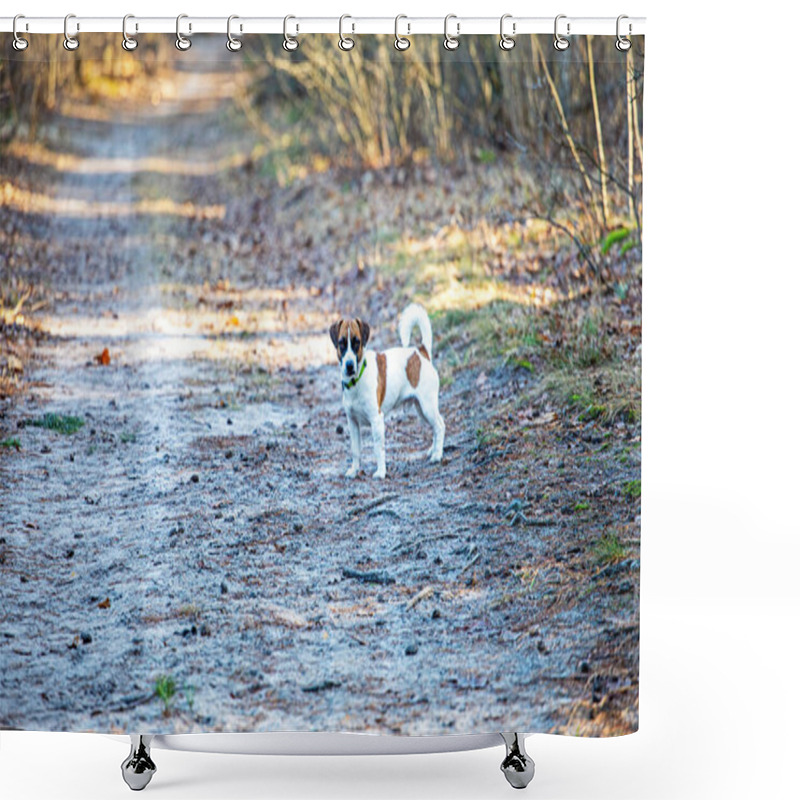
(412,369)
(423,352)
(381,358)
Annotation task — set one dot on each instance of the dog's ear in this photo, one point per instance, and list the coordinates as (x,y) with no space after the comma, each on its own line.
(334,332)
(364,328)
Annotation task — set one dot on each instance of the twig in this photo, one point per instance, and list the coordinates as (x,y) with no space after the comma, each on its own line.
(139,701)
(471,564)
(419,597)
(374,504)
(368,577)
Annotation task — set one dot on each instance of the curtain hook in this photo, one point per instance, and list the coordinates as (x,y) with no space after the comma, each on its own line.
(181,42)
(19,43)
(507,42)
(290,43)
(233,44)
(623,43)
(346,42)
(559,42)
(401,42)
(70,42)
(451,42)
(128,42)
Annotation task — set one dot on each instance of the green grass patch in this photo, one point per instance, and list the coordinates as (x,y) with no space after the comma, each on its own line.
(59,423)
(609,549)
(614,237)
(165,692)
(632,489)
(126,437)
(10,444)
(582,506)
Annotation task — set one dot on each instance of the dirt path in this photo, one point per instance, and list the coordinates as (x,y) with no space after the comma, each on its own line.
(198,526)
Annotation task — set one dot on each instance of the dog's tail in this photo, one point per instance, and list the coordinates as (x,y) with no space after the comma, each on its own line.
(415,315)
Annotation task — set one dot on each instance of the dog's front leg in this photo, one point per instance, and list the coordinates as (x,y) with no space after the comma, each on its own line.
(355,447)
(379,445)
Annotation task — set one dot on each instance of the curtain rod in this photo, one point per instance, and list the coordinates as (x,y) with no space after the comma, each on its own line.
(407,26)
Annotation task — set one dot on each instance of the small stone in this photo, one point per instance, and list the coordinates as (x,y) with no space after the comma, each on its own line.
(230,421)
(436,614)
(86,637)
(298,526)
(69,553)
(223,588)
(195,478)
(229,454)
(584,667)
(412,649)
(339,429)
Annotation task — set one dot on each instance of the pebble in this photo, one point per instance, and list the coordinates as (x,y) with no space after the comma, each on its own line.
(86,637)
(412,649)
(339,429)
(436,614)
(195,478)
(223,588)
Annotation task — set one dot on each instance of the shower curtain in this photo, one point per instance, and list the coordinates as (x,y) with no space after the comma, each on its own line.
(182,237)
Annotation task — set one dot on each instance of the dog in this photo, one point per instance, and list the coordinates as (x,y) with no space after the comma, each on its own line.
(373,383)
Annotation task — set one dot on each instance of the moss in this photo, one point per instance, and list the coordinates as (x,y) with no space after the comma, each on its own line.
(57,422)
(609,549)
(632,489)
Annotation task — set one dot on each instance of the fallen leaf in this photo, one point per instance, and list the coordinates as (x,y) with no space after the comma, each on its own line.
(104,358)
(105,603)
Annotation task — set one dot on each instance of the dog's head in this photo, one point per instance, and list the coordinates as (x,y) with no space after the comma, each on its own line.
(349,337)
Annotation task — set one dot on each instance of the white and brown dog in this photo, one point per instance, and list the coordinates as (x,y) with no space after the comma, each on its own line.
(375,383)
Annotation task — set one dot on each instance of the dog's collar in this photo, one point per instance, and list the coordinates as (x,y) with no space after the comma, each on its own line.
(353,381)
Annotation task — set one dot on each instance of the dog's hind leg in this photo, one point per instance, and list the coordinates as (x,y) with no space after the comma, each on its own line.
(355,447)
(429,410)
(379,444)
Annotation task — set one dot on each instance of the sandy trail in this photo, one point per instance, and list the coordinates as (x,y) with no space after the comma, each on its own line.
(198,526)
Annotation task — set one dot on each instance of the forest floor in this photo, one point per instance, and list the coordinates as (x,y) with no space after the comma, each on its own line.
(179,548)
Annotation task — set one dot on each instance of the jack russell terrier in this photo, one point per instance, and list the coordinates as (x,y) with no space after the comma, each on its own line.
(375,383)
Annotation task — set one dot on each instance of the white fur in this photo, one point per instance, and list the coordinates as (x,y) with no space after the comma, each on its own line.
(415,314)
(361,401)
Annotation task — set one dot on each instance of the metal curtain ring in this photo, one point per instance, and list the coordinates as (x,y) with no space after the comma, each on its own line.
(559,42)
(401,42)
(181,42)
(622,44)
(507,42)
(18,43)
(451,42)
(290,43)
(233,44)
(128,42)
(345,42)
(70,42)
